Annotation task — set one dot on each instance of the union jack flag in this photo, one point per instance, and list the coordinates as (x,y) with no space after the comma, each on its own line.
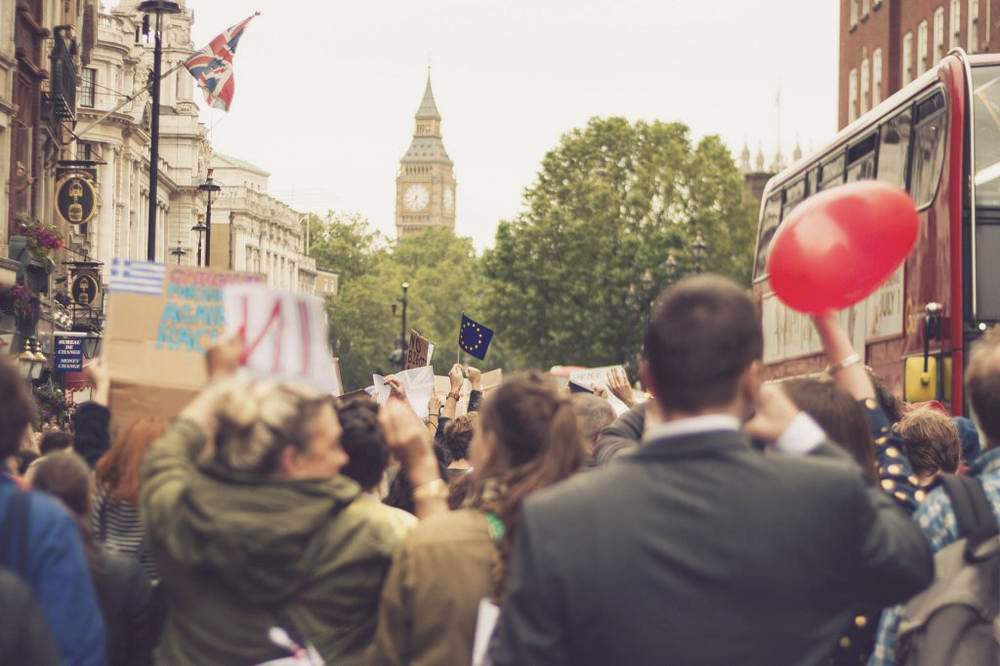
(212,67)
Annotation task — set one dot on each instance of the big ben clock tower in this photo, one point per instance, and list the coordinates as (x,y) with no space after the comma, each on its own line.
(425,186)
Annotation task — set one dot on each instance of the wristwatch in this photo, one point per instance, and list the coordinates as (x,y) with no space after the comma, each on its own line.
(454,396)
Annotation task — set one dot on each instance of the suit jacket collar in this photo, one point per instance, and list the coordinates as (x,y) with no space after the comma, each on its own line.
(693,445)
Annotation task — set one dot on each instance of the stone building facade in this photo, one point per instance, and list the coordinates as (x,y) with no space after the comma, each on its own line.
(253,231)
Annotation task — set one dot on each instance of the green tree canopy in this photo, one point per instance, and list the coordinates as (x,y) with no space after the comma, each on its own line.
(445,278)
(571,279)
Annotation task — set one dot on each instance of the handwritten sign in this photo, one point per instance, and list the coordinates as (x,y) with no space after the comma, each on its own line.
(418,384)
(419,352)
(69,352)
(285,335)
(156,336)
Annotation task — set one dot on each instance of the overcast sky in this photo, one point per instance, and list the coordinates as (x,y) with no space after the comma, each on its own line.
(326,90)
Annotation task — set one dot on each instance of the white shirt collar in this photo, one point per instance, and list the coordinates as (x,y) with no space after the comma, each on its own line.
(691,426)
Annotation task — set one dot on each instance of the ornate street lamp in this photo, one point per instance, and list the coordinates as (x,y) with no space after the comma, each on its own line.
(210,187)
(199,229)
(699,248)
(178,252)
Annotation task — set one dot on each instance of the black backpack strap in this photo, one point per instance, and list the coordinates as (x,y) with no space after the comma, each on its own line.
(973,513)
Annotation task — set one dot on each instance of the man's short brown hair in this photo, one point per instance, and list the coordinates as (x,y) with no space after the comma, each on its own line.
(703,335)
(17,408)
(982,381)
(930,440)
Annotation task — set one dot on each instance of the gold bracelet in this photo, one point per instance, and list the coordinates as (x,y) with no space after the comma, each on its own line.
(431,490)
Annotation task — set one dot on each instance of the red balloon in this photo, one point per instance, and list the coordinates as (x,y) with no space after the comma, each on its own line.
(837,247)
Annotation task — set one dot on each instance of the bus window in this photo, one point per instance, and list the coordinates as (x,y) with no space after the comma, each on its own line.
(832,173)
(861,159)
(986,112)
(928,149)
(768,225)
(893,148)
(793,195)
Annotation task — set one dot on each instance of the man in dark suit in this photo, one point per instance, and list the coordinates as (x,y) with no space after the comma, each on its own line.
(697,549)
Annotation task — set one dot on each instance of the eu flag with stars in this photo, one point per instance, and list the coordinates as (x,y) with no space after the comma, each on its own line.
(474,338)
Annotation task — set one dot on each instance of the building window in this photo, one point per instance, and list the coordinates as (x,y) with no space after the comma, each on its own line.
(921,48)
(894,147)
(84,151)
(938,34)
(972,37)
(852,96)
(865,84)
(854,13)
(876,77)
(954,24)
(88,79)
(865,7)
(907,58)
(876,3)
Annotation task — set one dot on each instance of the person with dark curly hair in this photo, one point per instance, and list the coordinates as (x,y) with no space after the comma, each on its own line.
(368,458)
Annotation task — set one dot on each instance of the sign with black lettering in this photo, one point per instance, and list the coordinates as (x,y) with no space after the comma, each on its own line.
(76,199)
(419,351)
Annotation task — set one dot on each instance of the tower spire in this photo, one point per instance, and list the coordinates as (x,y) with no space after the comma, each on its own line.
(428,107)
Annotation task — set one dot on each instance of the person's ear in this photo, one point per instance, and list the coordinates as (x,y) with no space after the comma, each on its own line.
(751,381)
(288,461)
(646,377)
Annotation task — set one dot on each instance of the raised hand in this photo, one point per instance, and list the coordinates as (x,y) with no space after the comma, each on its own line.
(456,375)
(475,378)
(618,383)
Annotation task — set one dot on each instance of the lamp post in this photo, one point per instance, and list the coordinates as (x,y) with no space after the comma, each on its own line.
(402,330)
(158,8)
(699,248)
(672,268)
(199,229)
(208,186)
(31,361)
(178,252)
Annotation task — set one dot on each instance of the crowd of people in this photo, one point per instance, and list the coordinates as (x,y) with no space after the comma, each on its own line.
(725,520)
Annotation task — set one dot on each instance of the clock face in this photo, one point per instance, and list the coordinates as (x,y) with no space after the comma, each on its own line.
(416,197)
(449,199)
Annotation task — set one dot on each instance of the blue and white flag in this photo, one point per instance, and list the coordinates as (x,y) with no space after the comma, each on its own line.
(137,277)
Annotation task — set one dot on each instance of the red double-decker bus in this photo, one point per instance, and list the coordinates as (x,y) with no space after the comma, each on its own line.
(938,138)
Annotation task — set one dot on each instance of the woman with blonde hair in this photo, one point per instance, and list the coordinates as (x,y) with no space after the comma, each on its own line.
(116,520)
(258,534)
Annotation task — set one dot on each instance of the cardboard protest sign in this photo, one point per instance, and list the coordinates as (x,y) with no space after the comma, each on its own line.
(284,334)
(418,384)
(161,320)
(594,377)
(419,352)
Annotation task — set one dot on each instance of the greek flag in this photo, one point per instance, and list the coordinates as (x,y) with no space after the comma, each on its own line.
(137,277)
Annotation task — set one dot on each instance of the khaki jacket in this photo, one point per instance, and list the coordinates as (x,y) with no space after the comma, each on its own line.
(239,554)
(431,597)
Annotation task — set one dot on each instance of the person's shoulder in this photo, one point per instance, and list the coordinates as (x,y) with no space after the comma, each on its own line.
(582,489)
(461,525)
